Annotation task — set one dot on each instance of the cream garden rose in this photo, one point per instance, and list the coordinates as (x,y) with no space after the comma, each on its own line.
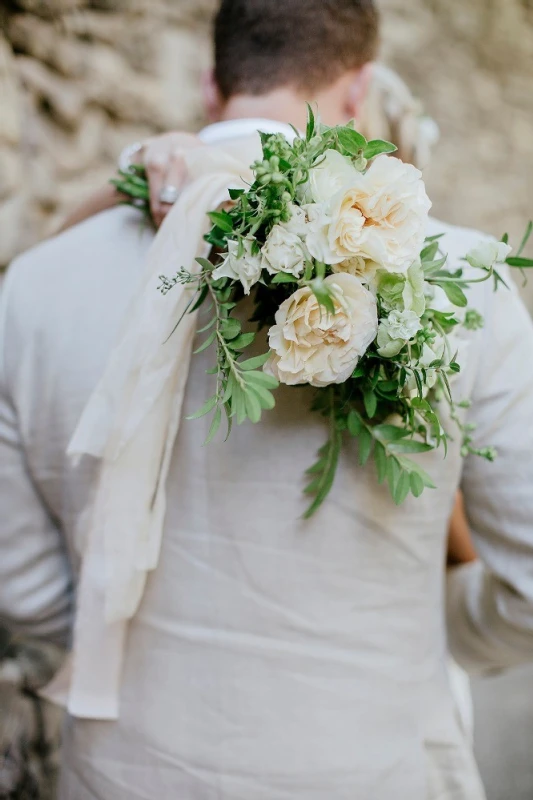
(380,216)
(311,346)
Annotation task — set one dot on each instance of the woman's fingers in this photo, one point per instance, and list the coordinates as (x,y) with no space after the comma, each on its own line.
(156,171)
(163,159)
(175,178)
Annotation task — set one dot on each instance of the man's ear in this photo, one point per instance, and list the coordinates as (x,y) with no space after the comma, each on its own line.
(213,102)
(358,90)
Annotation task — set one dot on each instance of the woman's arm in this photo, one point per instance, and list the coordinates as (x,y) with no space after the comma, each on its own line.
(162,158)
(101,200)
(460,546)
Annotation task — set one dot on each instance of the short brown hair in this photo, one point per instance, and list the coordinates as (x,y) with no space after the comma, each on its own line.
(261,45)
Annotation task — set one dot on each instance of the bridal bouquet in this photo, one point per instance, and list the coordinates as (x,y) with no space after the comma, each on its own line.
(359,303)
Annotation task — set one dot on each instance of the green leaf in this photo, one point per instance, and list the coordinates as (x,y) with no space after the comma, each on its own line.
(521,263)
(380,457)
(455,294)
(323,294)
(238,405)
(365,445)
(430,251)
(205,409)
(222,220)
(255,362)
(435,237)
(266,398)
(417,484)
(351,140)
(253,406)
(201,297)
(325,473)
(230,328)
(205,264)
(413,467)
(206,327)
(432,268)
(242,341)
(376,147)
(215,425)
(409,446)
(371,402)
(393,474)
(208,342)
(390,433)
(310,130)
(235,193)
(355,423)
(284,277)
(261,378)
(402,488)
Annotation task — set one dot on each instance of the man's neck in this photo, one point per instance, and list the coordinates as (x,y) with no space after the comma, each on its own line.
(282,105)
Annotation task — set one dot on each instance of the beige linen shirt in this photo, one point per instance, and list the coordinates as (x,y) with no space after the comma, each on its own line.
(271,658)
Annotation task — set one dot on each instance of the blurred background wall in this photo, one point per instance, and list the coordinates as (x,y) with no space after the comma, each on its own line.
(79,79)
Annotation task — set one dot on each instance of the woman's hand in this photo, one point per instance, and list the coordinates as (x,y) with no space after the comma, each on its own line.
(163,159)
(460,546)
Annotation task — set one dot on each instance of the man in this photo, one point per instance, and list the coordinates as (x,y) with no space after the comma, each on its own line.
(270,658)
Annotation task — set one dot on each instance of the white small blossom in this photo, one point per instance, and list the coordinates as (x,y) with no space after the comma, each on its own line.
(395,330)
(486,254)
(246,268)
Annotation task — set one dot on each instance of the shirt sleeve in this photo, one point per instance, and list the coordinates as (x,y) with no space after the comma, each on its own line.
(35,586)
(490,602)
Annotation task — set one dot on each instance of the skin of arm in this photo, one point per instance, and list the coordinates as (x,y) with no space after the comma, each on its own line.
(460,546)
(101,200)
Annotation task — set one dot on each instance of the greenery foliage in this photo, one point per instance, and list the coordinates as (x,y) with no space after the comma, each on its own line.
(392,402)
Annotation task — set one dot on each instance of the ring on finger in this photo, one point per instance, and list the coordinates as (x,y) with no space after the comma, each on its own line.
(169,194)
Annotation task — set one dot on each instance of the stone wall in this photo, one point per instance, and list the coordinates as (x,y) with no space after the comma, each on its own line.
(81,78)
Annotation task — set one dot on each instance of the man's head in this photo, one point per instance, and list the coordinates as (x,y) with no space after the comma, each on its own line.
(268,52)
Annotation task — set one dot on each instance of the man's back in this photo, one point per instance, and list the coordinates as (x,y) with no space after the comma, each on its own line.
(271,657)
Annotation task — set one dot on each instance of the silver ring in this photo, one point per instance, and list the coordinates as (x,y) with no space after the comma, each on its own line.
(169,194)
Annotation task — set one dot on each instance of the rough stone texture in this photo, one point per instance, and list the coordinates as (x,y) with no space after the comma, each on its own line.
(79,80)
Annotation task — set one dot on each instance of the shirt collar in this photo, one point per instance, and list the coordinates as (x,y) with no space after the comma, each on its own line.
(241,128)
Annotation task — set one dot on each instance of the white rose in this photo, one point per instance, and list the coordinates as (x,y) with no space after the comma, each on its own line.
(246,269)
(333,173)
(283,251)
(487,254)
(311,346)
(395,330)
